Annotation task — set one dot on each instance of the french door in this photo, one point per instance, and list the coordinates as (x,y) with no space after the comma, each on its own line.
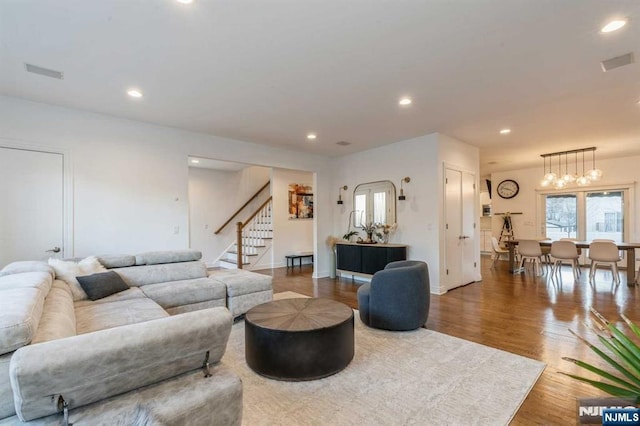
(586,215)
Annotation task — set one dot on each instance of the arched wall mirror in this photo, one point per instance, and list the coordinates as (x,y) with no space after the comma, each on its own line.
(374,202)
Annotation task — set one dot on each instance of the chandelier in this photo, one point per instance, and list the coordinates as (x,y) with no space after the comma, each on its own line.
(564,177)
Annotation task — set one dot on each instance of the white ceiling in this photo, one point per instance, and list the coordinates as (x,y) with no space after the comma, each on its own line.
(270,72)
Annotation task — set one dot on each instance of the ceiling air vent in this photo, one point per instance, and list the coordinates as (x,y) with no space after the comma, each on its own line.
(617,62)
(343,143)
(44,71)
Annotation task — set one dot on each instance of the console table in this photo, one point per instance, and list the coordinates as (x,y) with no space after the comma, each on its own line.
(367,259)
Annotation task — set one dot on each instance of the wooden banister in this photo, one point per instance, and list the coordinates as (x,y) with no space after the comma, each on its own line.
(240,227)
(257,211)
(241,208)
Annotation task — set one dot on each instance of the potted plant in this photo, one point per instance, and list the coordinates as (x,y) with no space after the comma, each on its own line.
(624,382)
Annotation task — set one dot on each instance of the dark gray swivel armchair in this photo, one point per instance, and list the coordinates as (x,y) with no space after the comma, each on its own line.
(397,297)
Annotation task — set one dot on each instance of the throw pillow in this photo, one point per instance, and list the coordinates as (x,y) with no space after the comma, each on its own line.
(68,271)
(102,284)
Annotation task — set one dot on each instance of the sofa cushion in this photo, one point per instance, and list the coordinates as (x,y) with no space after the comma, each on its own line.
(116,260)
(152,274)
(167,256)
(27,266)
(100,316)
(95,366)
(187,399)
(103,284)
(39,280)
(21,311)
(6,393)
(58,317)
(68,271)
(177,293)
(131,293)
(239,281)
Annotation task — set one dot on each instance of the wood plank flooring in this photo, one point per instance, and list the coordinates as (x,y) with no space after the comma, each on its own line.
(522,314)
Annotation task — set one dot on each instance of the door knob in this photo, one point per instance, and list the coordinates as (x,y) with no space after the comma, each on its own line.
(463,237)
(53,250)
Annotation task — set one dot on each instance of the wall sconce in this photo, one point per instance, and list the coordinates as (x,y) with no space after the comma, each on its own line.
(403,180)
(340,189)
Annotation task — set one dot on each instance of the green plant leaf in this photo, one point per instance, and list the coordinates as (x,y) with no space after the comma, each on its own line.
(622,354)
(610,389)
(604,374)
(615,364)
(625,341)
(631,325)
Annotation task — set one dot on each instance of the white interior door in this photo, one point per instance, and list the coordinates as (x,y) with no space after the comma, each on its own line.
(468,217)
(453,228)
(32,205)
(460,235)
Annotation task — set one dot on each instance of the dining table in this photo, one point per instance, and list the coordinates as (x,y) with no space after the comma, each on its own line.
(628,247)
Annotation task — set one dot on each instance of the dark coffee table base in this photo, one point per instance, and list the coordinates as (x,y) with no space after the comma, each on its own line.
(299,355)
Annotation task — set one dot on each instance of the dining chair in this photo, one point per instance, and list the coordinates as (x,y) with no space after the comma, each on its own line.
(497,251)
(530,250)
(604,252)
(565,250)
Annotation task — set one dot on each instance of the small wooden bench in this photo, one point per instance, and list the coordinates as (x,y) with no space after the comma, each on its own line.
(300,256)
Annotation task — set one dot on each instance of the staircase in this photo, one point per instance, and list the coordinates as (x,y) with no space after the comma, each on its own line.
(256,235)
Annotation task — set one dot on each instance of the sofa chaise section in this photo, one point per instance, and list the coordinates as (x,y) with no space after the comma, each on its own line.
(118,361)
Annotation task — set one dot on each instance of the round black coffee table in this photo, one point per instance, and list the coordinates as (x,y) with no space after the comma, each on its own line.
(299,339)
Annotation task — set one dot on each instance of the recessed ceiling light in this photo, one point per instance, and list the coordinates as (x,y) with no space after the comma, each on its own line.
(195,160)
(134,93)
(185,1)
(505,131)
(405,101)
(614,25)
(312,136)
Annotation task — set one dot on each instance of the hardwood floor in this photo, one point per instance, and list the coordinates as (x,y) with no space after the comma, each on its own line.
(522,314)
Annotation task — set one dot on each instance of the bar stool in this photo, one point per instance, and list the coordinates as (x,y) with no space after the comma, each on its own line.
(604,252)
(530,250)
(565,250)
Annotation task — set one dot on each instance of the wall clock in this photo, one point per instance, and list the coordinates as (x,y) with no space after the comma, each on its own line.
(508,188)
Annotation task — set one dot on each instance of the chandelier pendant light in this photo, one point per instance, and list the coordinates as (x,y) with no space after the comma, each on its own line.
(594,174)
(560,180)
(583,180)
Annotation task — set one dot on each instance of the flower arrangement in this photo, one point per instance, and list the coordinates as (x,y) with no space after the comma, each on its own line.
(385,231)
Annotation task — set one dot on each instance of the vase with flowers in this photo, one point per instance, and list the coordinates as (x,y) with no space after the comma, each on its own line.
(369,228)
(384,232)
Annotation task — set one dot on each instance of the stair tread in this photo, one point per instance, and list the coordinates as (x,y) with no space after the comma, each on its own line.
(233,261)
(244,254)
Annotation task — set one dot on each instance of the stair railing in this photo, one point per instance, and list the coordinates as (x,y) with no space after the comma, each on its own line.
(254,235)
(242,208)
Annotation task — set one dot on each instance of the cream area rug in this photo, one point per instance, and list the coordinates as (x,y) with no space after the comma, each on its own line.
(418,377)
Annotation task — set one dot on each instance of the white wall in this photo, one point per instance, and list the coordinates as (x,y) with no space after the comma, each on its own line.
(130,179)
(419,217)
(619,171)
(290,236)
(214,195)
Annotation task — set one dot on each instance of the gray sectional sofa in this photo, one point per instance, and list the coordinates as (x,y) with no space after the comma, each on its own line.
(137,356)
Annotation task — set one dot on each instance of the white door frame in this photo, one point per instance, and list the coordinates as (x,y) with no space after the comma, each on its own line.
(67,186)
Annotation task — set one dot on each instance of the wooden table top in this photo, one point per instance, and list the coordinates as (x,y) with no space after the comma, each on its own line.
(583,244)
(299,314)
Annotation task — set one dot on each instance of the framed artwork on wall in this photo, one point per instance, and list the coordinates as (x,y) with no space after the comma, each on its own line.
(300,201)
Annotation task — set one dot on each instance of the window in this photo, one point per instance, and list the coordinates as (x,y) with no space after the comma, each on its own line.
(586,215)
(604,215)
(561,216)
